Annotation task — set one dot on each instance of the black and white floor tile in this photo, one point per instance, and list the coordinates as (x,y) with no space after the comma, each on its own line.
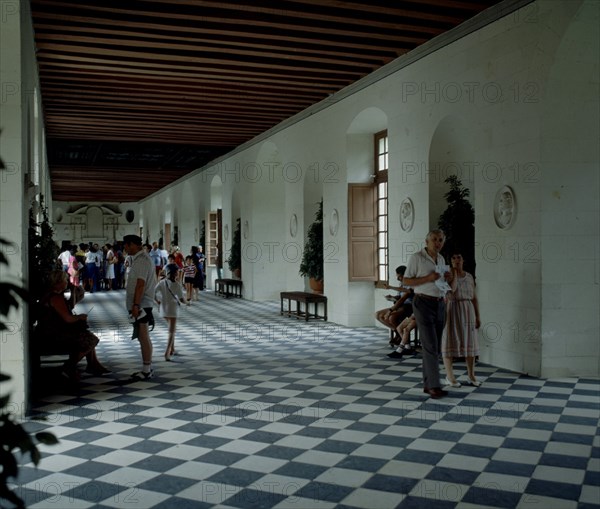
(261,411)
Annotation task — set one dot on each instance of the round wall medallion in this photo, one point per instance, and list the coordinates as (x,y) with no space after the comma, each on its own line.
(407,215)
(226,232)
(334,222)
(294,225)
(130,215)
(505,208)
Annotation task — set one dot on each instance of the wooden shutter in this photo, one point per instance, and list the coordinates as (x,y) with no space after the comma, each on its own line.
(219,260)
(212,248)
(362,232)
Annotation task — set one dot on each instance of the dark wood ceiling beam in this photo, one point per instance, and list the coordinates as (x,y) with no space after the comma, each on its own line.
(112,136)
(124,172)
(390,10)
(172,133)
(471,6)
(189,103)
(148,70)
(350,50)
(141,115)
(169,128)
(178,112)
(339,68)
(300,54)
(75,72)
(175,94)
(252,75)
(54,84)
(286,38)
(150,127)
(327,25)
(195,109)
(332,13)
(115,192)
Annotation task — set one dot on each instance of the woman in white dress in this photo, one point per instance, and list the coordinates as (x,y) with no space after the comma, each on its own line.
(462,321)
(111,259)
(169,296)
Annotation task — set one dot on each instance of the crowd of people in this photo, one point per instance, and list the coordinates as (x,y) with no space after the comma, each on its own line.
(105,268)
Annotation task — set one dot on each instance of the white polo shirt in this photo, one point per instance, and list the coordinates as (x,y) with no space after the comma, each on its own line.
(64,257)
(421,264)
(142,267)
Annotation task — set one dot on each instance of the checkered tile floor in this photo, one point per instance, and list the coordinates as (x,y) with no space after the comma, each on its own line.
(265,411)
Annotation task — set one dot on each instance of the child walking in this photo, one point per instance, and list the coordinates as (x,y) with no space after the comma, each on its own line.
(189,274)
(168,294)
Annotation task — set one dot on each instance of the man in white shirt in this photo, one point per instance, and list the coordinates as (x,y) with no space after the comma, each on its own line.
(64,258)
(156,257)
(139,298)
(427,273)
(164,255)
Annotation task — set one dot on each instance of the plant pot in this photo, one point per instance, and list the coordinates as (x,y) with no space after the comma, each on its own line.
(237,273)
(316,285)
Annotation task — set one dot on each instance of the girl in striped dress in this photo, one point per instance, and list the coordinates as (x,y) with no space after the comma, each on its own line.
(462,321)
(189,274)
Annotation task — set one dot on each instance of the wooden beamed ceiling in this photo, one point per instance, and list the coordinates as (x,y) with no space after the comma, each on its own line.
(137,94)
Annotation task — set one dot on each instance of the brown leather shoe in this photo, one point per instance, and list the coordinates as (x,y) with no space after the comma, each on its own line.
(435,393)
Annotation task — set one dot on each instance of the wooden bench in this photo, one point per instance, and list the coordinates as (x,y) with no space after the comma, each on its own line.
(307,299)
(44,349)
(228,287)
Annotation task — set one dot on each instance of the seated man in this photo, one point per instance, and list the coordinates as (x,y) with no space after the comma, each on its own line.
(402,307)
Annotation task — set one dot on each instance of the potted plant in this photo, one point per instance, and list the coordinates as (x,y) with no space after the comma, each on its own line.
(458,223)
(312,256)
(235,255)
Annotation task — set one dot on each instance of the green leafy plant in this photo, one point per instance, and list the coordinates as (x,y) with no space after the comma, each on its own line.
(43,252)
(235,255)
(458,223)
(312,256)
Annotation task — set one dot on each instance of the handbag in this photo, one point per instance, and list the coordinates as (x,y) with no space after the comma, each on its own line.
(171,292)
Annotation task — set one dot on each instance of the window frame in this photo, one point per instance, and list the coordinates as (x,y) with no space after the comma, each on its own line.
(380,181)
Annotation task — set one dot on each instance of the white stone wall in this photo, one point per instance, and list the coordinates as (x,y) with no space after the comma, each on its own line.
(568,200)
(25,177)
